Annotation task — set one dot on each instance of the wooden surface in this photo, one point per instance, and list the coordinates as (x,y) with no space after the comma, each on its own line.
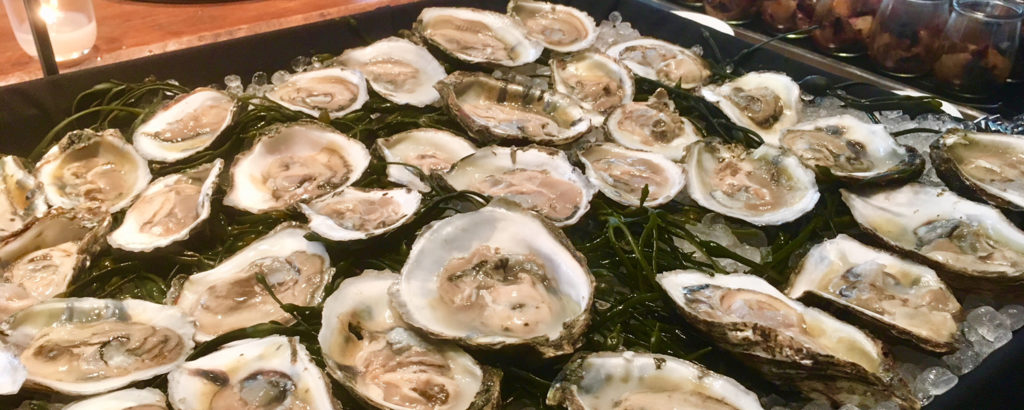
(131,29)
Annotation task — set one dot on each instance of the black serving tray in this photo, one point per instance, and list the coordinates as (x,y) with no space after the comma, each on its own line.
(29,110)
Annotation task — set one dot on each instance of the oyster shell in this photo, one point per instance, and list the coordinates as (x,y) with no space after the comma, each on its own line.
(886,294)
(92,169)
(373,353)
(21,196)
(764,186)
(274,372)
(981,165)
(662,61)
(356,213)
(168,210)
(622,174)
(537,178)
(292,163)
(852,150)
(653,126)
(598,81)
(634,380)
(398,69)
(127,399)
(493,109)
(333,90)
(86,346)
(764,102)
(791,344)
(230,297)
(971,245)
(185,126)
(493,278)
(560,28)
(429,149)
(477,36)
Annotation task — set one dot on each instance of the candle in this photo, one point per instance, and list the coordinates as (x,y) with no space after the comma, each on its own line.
(71,24)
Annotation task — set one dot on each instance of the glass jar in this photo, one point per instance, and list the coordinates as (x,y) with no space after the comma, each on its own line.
(732,11)
(978,46)
(843,25)
(70,23)
(784,16)
(905,35)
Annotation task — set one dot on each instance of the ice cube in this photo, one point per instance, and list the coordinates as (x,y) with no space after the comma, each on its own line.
(235,89)
(259,78)
(279,77)
(232,80)
(933,382)
(990,324)
(615,17)
(1014,314)
(300,63)
(963,360)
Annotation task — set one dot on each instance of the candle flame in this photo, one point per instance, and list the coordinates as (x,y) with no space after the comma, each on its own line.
(49,11)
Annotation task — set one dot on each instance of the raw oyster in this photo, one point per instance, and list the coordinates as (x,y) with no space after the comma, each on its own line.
(398,69)
(292,163)
(982,165)
(429,149)
(537,178)
(764,102)
(94,170)
(598,81)
(86,346)
(791,344)
(560,28)
(662,61)
(370,350)
(168,210)
(887,294)
(764,186)
(852,150)
(653,126)
(230,296)
(633,380)
(185,126)
(21,196)
(333,90)
(274,372)
(477,36)
(622,174)
(971,245)
(497,277)
(127,399)
(355,213)
(493,109)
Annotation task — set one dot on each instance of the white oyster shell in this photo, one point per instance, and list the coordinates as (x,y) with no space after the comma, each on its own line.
(987,165)
(560,28)
(764,102)
(429,149)
(398,69)
(333,90)
(91,169)
(848,147)
(185,126)
(622,173)
(653,126)
(600,82)
(21,196)
(127,399)
(478,36)
(662,61)
(355,213)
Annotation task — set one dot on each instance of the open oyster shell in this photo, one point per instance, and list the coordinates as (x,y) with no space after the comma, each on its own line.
(762,101)
(497,277)
(429,149)
(560,28)
(477,36)
(622,174)
(103,344)
(598,81)
(333,90)
(127,399)
(373,353)
(185,126)
(398,69)
(21,196)
(662,61)
(95,170)
(791,344)
(981,165)
(653,126)
(884,293)
(355,213)
(274,372)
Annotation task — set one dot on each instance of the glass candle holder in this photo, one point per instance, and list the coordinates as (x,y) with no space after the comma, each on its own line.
(978,46)
(784,16)
(732,11)
(843,25)
(905,35)
(70,23)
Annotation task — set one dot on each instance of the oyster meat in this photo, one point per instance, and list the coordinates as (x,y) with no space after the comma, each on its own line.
(94,170)
(292,163)
(429,149)
(230,296)
(493,278)
(560,28)
(764,102)
(477,36)
(537,178)
(380,358)
(622,174)
(274,372)
(168,210)
(127,399)
(764,186)
(355,213)
(981,165)
(653,126)
(598,81)
(185,126)
(662,61)
(335,91)
(398,69)
(21,196)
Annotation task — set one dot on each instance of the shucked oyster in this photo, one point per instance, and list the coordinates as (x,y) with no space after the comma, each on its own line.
(398,70)
(477,36)
(982,165)
(355,213)
(21,196)
(887,294)
(633,380)
(168,210)
(230,296)
(496,277)
(600,82)
(793,345)
(292,163)
(662,61)
(493,109)
(95,170)
(622,174)
(370,350)
(127,399)
(653,126)
(560,28)
(274,372)
(86,346)
(184,126)
(537,178)
(333,90)
(429,149)
(765,186)
(765,102)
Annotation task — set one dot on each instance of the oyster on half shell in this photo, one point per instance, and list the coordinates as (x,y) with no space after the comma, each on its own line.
(653,126)
(477,36)
(429,149)
(622,174)
(560,28)
(94,170)
(127,399)
(598,81)
(982,165)
(764,102)
(185,126)
(21,196)
(333,90)
(662,61)
(398,69)
(355,213)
